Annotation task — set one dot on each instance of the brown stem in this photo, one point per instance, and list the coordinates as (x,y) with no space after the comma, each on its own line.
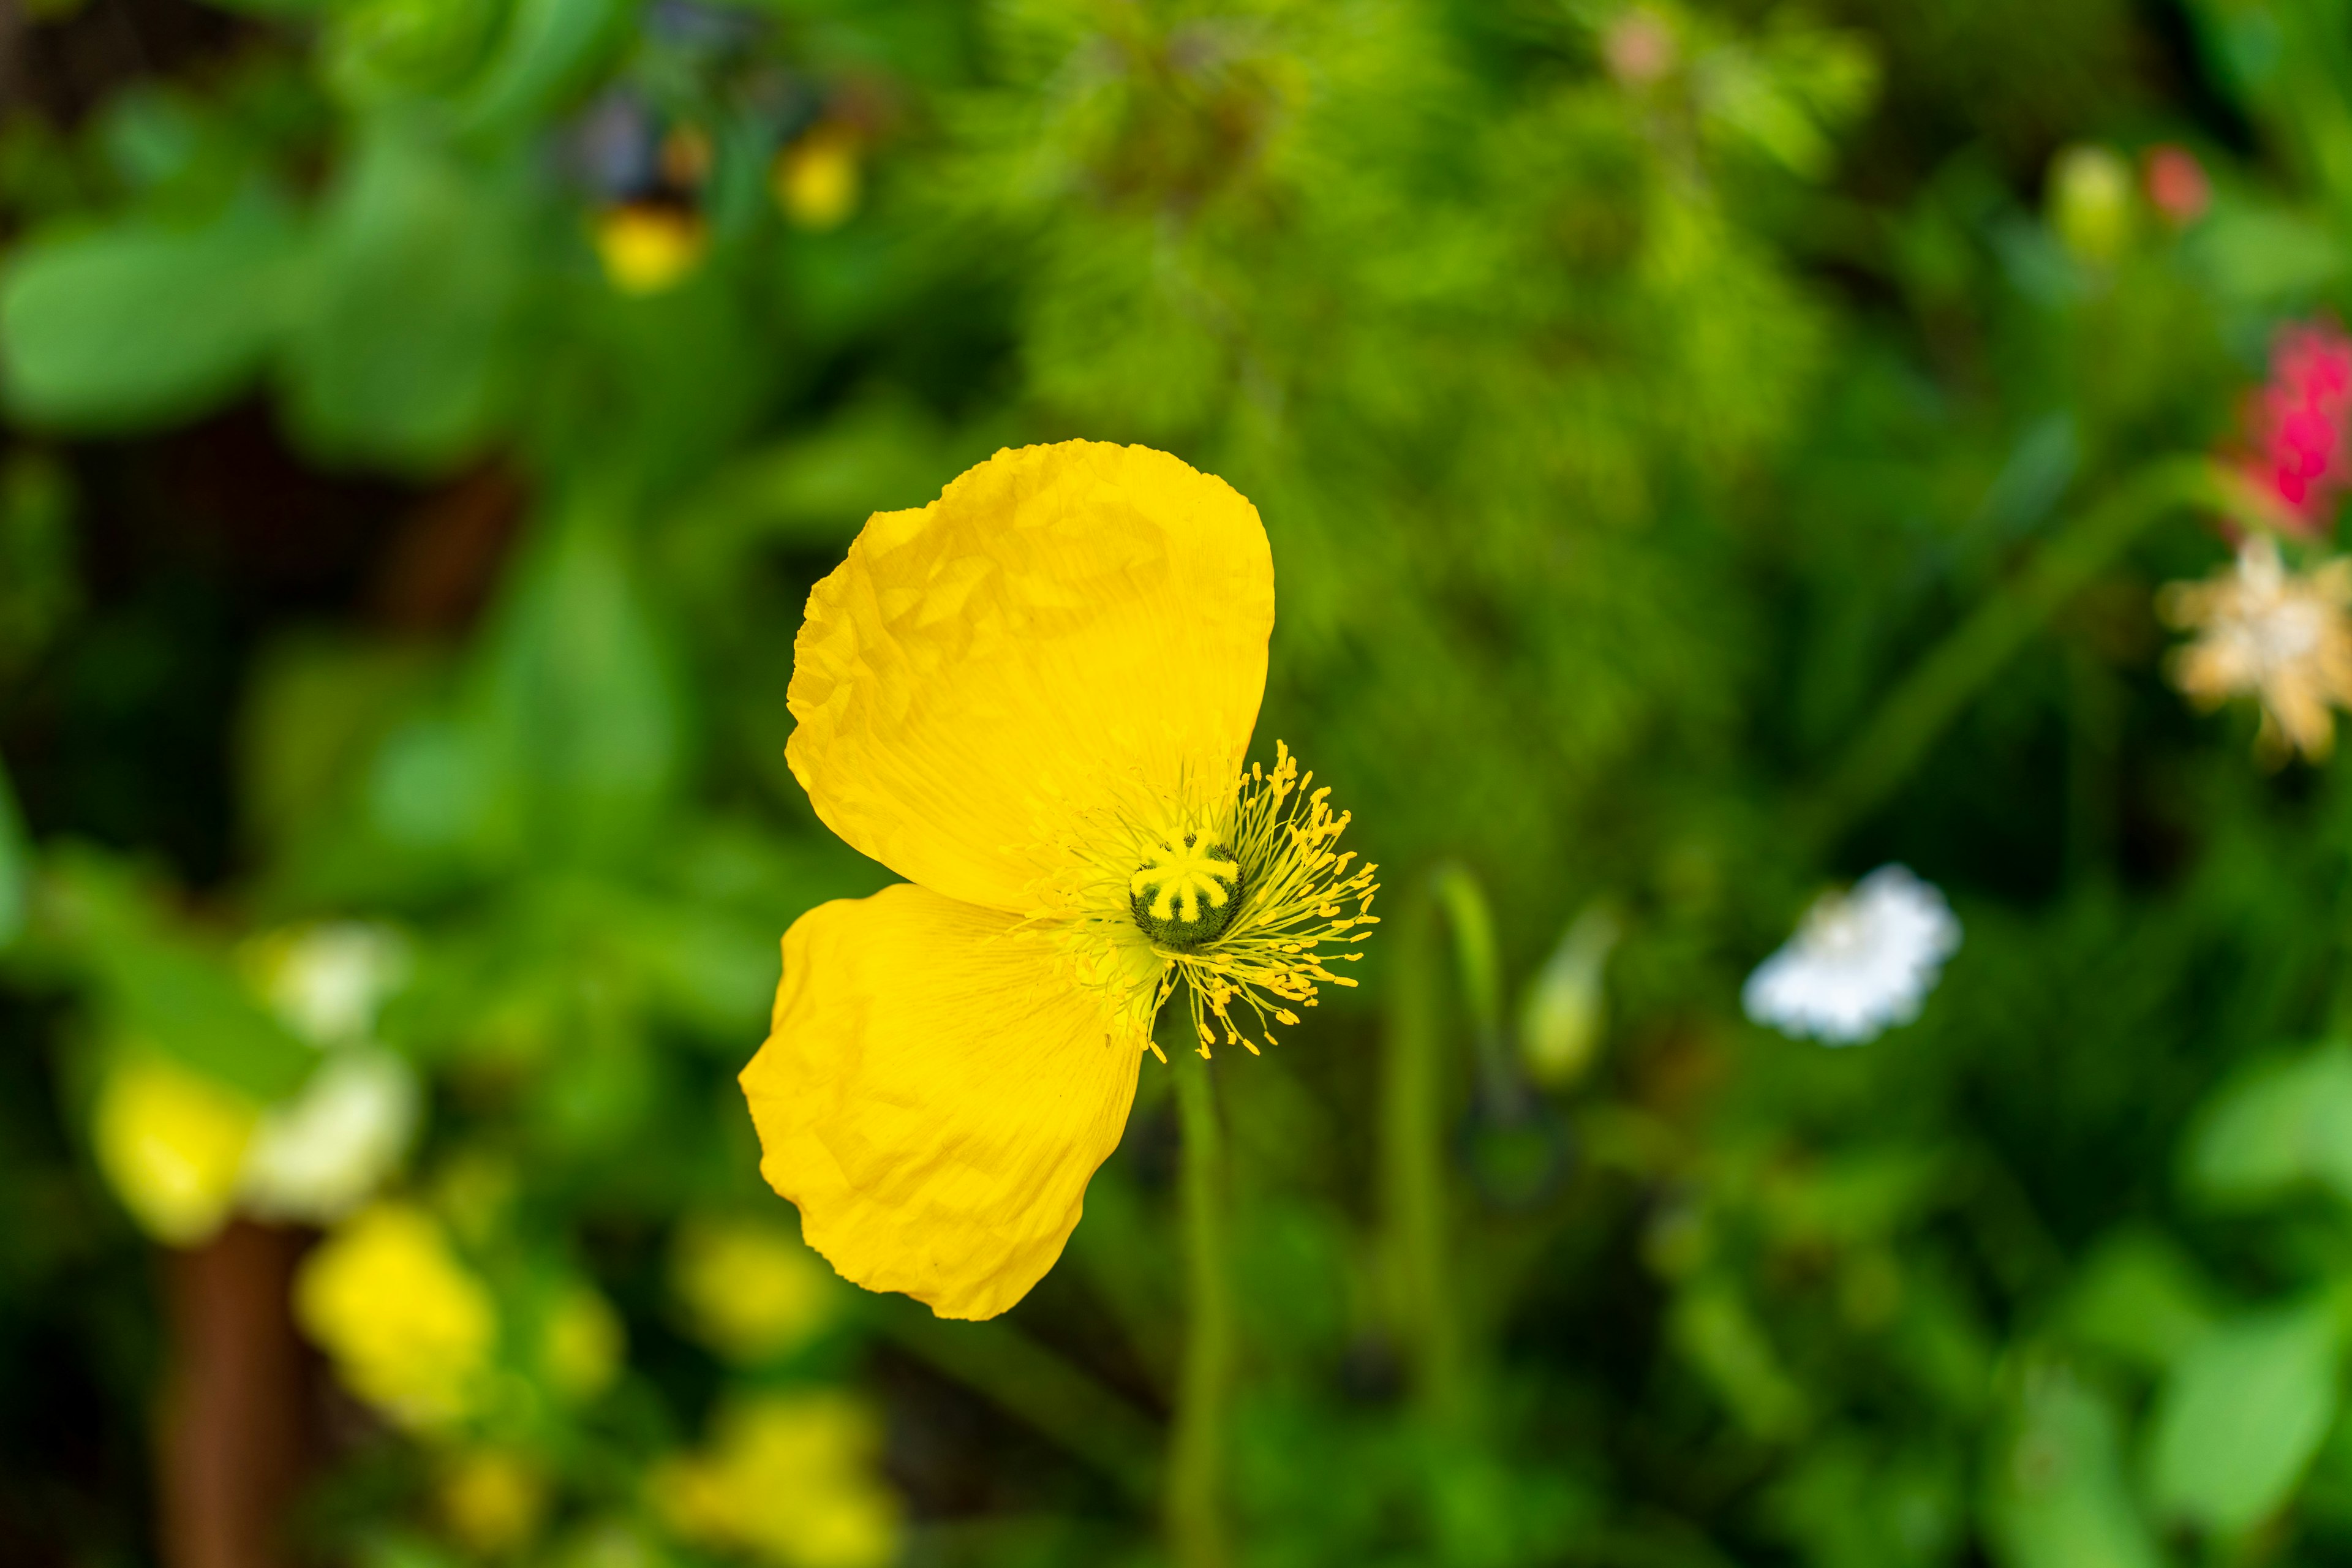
(234,1430)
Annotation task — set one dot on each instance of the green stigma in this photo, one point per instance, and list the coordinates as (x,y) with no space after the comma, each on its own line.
(1185,893)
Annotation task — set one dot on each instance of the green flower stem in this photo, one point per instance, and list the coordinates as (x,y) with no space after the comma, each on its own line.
(1413,1102)
(1478,967)
(15,864)
(1198,1531)
(1924,705)
(1030,1383)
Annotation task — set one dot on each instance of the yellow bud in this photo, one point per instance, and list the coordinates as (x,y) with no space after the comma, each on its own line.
(493,1501)
(583,1343)
(2089,201)
(817,179)
(647,249)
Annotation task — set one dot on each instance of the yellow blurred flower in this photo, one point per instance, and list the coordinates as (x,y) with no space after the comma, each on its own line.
(409,1327)
(790,1479)
(817,179)
(172,1142)
(753,1291)
(2091,201)
(646,247)
(2267,631)
(1031,697)
(493,1500)
(582,1343)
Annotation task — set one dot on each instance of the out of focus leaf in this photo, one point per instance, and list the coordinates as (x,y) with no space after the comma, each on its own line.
(2056,1494)
(141,321)
(401,354)
(377,52)
(2140,1298)
(580,692)
(1716,1329)
(315,710)
(569,735)
(2283,1127)
(2266,255)
(1851,1506)
(2243,1412)
(547,47)
(166,990)
(37,587)
(819,486)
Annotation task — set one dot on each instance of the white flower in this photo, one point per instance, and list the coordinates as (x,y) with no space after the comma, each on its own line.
(324,1152)
(329,980)
(1860,962)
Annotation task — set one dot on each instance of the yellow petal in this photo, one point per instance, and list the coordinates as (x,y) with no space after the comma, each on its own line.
(1066,627)
(172,1143)
(935,1095)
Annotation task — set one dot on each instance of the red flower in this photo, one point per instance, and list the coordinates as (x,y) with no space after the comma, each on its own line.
(2299,423)
(2176,185)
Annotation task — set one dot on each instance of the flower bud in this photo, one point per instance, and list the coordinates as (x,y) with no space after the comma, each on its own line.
(2091,203)
(1565,1015)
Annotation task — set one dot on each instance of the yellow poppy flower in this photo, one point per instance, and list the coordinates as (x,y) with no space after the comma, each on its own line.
(1030,698)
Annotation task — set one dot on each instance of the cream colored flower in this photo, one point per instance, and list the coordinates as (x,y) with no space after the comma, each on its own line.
(2272,633)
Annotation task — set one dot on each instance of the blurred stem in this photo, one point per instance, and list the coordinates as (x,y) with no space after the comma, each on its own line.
(1933,695)
(1479,965)
(16,862)
(236,1407)
(1028,1381)
(1413,1150)
(2094,777)
(1197,1528)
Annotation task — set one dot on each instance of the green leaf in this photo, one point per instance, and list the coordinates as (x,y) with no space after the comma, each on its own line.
(2283,1127)
(2057,1498)
(2139,1298)
(2265,255)
(403,352)
(165,989)
(140,321)
(580,688)
(2243,1412)
(569,738)
(547,47)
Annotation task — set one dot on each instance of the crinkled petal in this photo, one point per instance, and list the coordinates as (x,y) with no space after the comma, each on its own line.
(935,1094)
(1067,628)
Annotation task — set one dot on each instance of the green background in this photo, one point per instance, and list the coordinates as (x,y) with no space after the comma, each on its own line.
(1629,431)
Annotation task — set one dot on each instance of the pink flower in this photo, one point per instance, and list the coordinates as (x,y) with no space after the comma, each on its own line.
(2299,423)
(2176,185)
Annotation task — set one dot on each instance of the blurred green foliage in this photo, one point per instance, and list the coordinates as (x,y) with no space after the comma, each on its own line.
(426,418)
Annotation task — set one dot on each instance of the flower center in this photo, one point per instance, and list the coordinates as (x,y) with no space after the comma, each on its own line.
(1185,893)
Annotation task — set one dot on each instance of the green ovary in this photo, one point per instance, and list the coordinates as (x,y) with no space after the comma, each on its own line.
(1185,893)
